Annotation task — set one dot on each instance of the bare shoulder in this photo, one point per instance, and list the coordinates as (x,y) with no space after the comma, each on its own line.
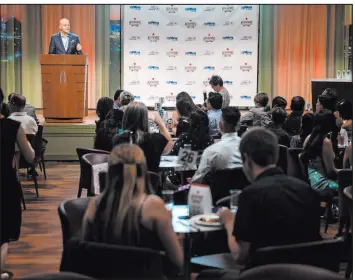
(153,202)
(327,143)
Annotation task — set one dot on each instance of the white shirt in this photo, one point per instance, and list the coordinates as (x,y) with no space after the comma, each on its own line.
(221,155)
(28,123)
(65,40)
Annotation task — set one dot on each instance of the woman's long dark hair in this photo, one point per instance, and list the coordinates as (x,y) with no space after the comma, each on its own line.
(104,105)
(198,130)
(307,123)
(185,105)
(324,122)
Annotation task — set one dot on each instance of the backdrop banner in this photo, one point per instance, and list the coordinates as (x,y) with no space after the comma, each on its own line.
(174,48)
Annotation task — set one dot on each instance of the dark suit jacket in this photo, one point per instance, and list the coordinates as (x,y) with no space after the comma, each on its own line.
(56,45)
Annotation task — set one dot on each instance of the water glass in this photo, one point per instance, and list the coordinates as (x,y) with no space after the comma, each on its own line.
(339,74)
(234,200)
(343,75)
(349,75)
(168,197)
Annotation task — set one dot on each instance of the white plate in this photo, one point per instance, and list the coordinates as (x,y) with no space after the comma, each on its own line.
(197,221)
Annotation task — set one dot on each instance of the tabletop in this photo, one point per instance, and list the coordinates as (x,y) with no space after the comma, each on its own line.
(169,162)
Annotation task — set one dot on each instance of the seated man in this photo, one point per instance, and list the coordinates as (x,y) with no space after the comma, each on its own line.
(116,98)
(225,153)
(277,102)
(28,123)
(214,106)
(29,109)
(125,98)
(255,115)
(275,209)
(278,117)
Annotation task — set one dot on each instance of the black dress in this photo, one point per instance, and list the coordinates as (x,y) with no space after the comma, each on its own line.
(10,187)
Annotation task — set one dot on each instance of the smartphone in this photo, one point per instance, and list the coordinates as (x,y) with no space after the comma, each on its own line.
(184,217)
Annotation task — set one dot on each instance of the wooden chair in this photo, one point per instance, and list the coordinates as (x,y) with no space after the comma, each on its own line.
(85,181)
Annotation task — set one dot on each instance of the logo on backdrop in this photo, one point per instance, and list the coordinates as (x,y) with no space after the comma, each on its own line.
(209,38)
(135,22)
(246,8)
(245,82)
(134,38)
(172,53)
(190,68)
(209,67)
(228,38)
(245,67)
(209,24)
(171,23)
(172,38)
(246,38)
(135,52)
(191,53)
(154,23)
(190,24)
(153,38)
(228,9)
(172,10)
(246,22)
(134,83)
(193,10)
(208,53)
(245,52)
(135,8)
(228,82)
(190,39)
(170,98)
(227,53)
(206,82)
(153,53)
(227,68)
(173,83)
(153,8)
(171,68)
(153,83)
(134,68)
(245,97)
(228,23)
(153,67)
(190,83)
(209,9)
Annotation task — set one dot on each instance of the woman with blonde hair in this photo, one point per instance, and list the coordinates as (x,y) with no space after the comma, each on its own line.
(124,214)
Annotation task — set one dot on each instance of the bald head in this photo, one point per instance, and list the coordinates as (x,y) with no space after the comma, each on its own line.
(64,26)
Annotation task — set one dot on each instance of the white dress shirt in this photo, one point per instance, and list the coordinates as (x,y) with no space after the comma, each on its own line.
(221,155)
(65,40)
(28,124)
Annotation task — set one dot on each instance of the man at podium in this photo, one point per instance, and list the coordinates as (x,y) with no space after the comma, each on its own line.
(65,42)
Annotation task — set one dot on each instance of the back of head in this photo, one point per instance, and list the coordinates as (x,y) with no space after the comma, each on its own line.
(185,106)
(297,104)
(324,121)
(215,100)
(261,99)
(9,97)
(279,101)
(135,117)
(260,145)
(216,80)
(117,94)
(18,102)
(278,116)
(328,99)
(104,105)
(198,125)
(307,123)
(345,109)
(126,97)
(230,119)
(183,95)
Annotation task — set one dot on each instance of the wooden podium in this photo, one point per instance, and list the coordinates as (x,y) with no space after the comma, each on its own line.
(64,87)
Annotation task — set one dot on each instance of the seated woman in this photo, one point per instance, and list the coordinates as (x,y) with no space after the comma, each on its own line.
(135,131)
(104,105)
(319,154)
(345,109)
(124,214)
(307,121)
(255,115)
(197,136)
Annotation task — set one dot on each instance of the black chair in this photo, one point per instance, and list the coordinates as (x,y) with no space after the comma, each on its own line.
(85,170)
(294,167)
(282,162)
(107,261)
(40,148)
(71,214)
(345,179)
(59,276)
(222,181)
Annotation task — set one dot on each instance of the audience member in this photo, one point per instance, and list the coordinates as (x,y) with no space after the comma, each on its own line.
(135,130)
(5,108)
(28,123)
(293,122)
(104,105)
(11,132)
(125,98)
(125,214)
(275,209)
(319,155)
(345,109)
(116,98)
(278,117)
(216,83)
(277,102)
(254,116)
(348,157)
(29,109)
(225,153)
(307,122)
(214,106)
(181,116)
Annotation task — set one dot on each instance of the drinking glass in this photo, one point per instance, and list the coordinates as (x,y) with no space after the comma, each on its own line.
(168,197)
(343,76)
(234,200)
(339,74)
(349,75)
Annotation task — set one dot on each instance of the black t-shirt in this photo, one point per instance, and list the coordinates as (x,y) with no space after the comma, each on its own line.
(277,210)
(293,123)
(282,136)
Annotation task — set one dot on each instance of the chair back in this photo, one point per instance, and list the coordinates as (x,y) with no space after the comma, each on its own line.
(325,254)
(59,276)
(71,214)
(289,272)
(22,161)
(294,167)
(85,169)
(222,181)
(107,261)
(282,162)
(37,141)
(345,179)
